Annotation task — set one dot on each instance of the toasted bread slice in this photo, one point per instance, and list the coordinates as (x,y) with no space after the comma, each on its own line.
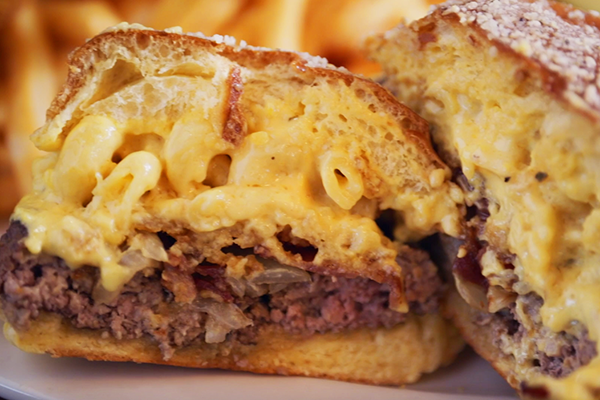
(511,89)
(213,205)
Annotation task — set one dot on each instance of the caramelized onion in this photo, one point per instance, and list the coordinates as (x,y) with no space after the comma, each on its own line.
(276,273)
(150,246)
(216,332)
(145,251)
(135,260)
(277,287)
(273,278)
(254,290)
(103,296)
(223,318)
(498,298)
(475,295)
(237,286)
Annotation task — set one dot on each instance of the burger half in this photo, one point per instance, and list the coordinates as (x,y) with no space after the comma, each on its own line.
(210,205)
(512,90)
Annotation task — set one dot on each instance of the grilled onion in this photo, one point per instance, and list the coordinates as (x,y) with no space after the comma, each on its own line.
(272,279)
(276,273)
(223,318)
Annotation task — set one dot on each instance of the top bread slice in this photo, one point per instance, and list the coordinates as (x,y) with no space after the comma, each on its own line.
(511,89)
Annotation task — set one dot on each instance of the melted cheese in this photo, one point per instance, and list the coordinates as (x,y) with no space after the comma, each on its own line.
(122,165)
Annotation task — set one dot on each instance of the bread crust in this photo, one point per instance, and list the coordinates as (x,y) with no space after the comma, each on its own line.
(374,356)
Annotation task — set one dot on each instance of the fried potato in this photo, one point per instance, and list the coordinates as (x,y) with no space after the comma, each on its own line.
(31,86)
(206,16)
(3,101)
(7,185)
(335,28)
(10,196)
(75,22)
(587,4)
(5,8)
(140,11)
(271,23)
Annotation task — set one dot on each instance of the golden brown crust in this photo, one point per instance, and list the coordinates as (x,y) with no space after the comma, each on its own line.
(376,356)
(81,65)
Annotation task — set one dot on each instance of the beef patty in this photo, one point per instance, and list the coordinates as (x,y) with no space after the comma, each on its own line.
(147,305)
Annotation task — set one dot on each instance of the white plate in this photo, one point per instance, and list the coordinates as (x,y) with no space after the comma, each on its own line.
(27,376)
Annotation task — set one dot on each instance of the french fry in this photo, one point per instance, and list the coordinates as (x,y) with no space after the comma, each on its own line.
(5,10)
(347,22)
(361,65)
(31,86)
(320,29)
(271,23)
(140,11)
(3,105)
(8,185)
(168,13)
(74,22)
(287,30)
(206,16)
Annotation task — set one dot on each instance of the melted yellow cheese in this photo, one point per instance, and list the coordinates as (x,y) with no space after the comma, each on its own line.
(154,150)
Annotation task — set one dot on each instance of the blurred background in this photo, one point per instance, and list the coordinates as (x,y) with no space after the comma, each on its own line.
(36,37)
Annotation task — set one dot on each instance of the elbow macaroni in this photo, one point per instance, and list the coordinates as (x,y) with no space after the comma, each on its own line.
(191,145)
(86,151)
(342,182)
(116,197)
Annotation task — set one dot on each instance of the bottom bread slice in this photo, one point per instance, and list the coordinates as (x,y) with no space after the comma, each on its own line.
(376,356)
